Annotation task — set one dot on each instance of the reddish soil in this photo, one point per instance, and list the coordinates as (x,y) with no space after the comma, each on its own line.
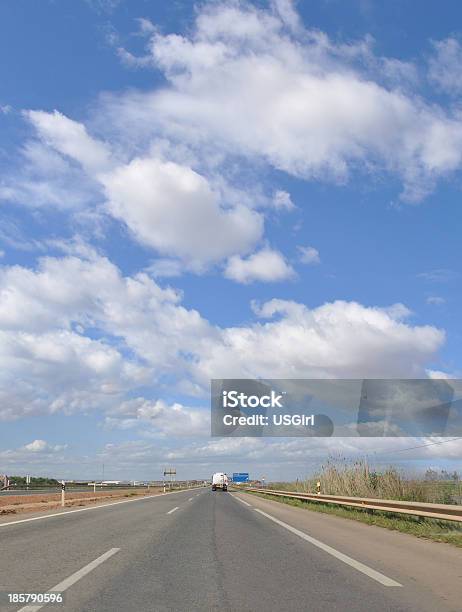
(15,504)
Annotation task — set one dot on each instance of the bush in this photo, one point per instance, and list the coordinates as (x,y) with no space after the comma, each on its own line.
(356,479)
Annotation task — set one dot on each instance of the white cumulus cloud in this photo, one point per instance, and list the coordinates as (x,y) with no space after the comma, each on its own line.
(253,82)
(40,446)
(77,335)
(266,266)
(173,209)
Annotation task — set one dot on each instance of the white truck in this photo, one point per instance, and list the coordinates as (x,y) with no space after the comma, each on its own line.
(219,481)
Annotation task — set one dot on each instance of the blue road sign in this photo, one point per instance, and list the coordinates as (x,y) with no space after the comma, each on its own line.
(241,477)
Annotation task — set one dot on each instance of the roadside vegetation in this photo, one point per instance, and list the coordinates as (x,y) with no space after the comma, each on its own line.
(20,482)
(357,479)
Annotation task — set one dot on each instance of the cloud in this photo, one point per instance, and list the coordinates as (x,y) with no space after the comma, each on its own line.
(266,266)
(70,138)
(157,418)
(445,66)
(165,267)
(281,459)
(335,340)
(35,454)
(60,371)
(278,459)
(76,335)
(435,300)
(40,446)
(282,200)
(246,90)
(166,205)
(36,446)
(103,6)
(253,83)
(439,275)
(42,177)
(173,209)
(438,374)
(309,255)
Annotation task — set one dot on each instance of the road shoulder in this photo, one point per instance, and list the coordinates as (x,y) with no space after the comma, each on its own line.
(409,559)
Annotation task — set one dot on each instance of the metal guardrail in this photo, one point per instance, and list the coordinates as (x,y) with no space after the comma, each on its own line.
(447,512)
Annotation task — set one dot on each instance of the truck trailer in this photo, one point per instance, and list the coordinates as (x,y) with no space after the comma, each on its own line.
(219,481)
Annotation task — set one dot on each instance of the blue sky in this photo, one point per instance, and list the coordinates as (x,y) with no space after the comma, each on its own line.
(219,189)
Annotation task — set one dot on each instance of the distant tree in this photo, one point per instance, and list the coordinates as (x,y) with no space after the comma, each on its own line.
(20,481)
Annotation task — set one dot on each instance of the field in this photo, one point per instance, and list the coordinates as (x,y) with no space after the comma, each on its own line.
(14,504)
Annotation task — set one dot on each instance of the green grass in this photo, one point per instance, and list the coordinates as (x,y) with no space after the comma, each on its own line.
(431,529)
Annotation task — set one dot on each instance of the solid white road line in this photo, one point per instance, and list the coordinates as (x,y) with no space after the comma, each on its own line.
(173,510)
(242,501)
(336,553)
(73,578)
(125,501)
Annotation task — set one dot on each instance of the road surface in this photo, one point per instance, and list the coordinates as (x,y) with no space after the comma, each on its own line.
(203,550)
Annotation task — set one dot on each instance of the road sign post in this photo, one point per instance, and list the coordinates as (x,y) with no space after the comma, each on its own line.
(170,472)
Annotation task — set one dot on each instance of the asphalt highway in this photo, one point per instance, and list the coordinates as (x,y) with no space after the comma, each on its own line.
(203,550)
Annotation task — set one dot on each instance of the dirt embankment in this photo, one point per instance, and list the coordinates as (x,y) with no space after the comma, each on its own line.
(16,504)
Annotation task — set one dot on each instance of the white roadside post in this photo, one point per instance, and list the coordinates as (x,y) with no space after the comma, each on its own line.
(63,492)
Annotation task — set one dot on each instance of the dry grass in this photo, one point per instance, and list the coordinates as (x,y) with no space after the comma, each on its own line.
(357,479)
